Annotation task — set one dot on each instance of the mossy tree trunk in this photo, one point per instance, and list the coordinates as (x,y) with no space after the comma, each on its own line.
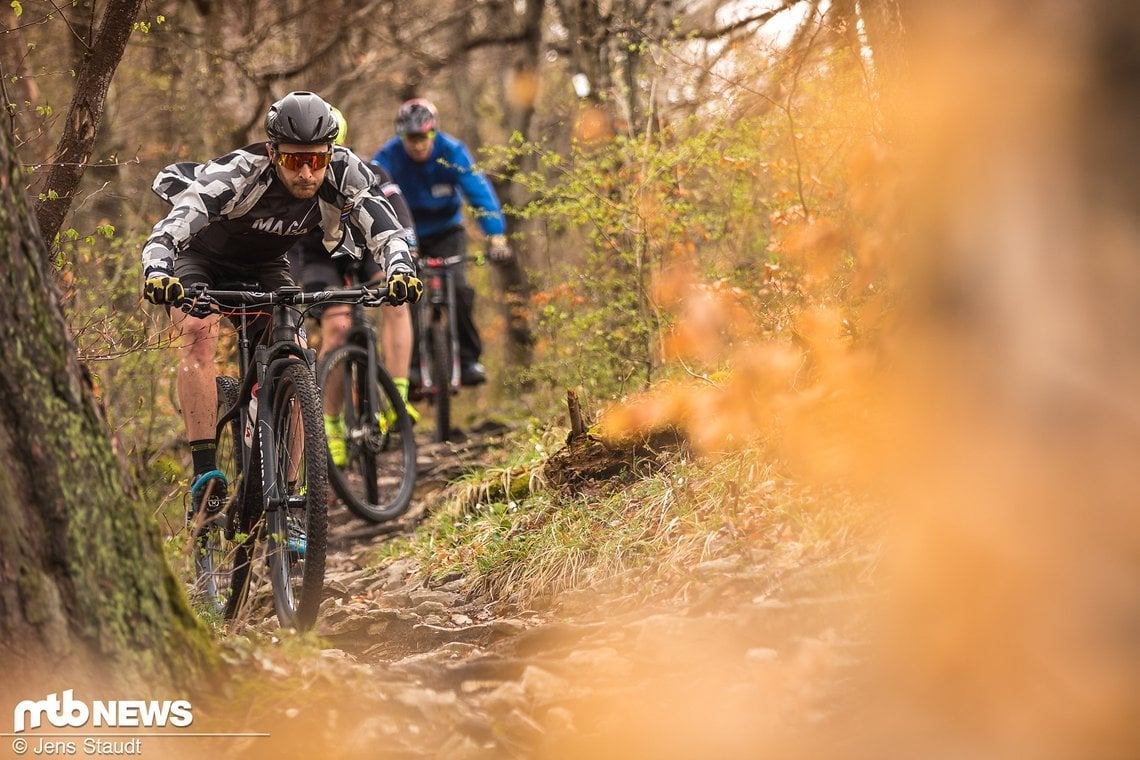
(84,586)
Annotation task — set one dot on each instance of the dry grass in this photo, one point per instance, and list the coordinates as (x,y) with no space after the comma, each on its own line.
(660,527)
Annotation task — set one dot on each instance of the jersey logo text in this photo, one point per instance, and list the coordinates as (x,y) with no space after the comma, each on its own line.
(279,227)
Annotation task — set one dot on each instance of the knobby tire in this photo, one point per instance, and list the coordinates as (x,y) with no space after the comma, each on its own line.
(379,476)
(297,580)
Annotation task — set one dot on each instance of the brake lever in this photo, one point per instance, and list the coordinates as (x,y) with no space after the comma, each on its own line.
(196,303)
(372,298)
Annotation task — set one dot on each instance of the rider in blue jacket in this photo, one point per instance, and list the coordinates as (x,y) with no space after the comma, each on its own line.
(436,173)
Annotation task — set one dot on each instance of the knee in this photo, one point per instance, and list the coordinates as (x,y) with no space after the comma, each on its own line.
(199,344)
(398,314)
(334,328)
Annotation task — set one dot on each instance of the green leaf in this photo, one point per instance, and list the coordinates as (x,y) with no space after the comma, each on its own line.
(17,7)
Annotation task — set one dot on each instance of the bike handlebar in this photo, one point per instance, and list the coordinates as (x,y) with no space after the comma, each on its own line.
(436,262)
(200,296)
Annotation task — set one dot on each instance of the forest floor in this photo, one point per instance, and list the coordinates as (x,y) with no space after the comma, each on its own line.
(745,650)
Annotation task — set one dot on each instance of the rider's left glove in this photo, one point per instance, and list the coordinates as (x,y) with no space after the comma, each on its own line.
(404,287)
(163,287)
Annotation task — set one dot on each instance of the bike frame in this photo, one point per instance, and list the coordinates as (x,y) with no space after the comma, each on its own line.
(266,360)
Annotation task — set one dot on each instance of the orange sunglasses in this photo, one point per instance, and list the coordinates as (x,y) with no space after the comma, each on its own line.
(294,161)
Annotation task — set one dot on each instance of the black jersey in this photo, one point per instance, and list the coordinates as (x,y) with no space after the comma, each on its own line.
(236,208)
(263,234)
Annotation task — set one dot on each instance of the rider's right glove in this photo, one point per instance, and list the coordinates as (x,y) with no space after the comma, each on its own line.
(162,287)
(499,250)
(404,287)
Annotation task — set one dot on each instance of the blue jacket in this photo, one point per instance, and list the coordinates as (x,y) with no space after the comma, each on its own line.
(433,188)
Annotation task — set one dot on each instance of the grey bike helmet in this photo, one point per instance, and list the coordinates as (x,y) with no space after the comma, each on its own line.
(416,117)
(302,118)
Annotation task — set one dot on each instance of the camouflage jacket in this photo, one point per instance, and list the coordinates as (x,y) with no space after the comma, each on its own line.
(235,208)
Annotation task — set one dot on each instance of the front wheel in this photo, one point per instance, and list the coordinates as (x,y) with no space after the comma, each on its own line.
(297,527)
(378,473)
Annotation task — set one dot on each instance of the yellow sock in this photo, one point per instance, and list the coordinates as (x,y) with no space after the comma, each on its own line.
(402,387)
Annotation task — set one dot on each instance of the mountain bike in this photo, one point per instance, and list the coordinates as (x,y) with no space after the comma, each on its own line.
(272,449)
(379,474)
(438,338)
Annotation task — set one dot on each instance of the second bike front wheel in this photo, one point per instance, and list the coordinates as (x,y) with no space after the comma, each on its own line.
(378,473)
(298,529)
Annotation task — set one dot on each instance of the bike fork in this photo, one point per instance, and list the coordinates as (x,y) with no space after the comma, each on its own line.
(453,332)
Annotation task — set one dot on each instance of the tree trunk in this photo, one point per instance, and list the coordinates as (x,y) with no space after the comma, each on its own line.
(84,587)
(511,279)
(93,80)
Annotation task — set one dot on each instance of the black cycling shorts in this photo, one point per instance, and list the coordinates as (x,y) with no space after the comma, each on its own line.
(319,274)
(194,268)
(317,270)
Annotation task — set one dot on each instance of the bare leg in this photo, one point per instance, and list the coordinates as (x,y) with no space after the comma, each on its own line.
(197,393)
(335,323)
(396,339)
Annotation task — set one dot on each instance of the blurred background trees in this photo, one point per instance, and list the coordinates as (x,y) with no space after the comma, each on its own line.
(736,198)
(631,141)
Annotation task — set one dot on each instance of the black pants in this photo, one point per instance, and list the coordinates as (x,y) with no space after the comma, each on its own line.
(453,242)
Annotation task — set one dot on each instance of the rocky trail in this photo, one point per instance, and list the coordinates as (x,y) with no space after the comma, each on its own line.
(411,668)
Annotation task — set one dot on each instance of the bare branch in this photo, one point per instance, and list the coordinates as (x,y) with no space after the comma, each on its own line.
(759,18)
(85,43)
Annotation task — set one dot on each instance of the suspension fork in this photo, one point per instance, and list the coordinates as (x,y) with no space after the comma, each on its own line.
(271,366)
(428,308)
(365,336)
(451,305)
(240,410)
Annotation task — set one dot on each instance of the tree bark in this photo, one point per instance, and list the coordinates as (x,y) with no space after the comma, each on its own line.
(93,80)
(511,278)
(84,587)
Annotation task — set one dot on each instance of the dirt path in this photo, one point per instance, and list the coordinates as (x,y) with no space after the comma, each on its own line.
(418,669)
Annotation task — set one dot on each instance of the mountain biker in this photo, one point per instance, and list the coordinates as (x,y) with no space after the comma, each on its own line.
(434,170)
(316,269)
(232,221)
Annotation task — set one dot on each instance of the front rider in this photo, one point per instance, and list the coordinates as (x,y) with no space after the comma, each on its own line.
(232,221)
